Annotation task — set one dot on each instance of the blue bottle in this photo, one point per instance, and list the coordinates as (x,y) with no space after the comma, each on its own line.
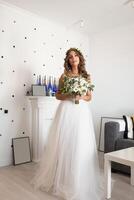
(55,88)
(49,87)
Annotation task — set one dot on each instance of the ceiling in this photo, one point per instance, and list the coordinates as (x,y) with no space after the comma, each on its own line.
(98,15)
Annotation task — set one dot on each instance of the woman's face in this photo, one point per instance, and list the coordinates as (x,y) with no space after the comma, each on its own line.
(73,58)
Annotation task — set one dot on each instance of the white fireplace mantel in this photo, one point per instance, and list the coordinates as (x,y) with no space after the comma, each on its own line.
(43,109)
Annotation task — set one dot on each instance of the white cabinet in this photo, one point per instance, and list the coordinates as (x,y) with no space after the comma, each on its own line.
(43,109)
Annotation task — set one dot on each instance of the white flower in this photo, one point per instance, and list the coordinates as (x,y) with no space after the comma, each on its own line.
(77,85)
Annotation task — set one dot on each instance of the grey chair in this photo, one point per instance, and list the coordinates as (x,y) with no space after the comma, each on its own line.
(114,140)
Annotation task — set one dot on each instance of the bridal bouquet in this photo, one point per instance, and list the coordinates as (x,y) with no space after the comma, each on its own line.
(76,86)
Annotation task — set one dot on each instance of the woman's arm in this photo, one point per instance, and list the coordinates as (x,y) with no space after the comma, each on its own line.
(86,97)
(58,94)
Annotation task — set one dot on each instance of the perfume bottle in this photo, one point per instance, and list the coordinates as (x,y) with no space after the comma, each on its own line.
(49,87)
(39,80)
(55,88)
(45,85)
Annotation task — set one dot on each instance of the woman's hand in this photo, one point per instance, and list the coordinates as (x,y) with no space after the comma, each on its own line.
(86,97)
(78,97)
(61,96)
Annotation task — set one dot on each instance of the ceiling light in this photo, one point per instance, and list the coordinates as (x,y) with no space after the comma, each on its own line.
(78,23)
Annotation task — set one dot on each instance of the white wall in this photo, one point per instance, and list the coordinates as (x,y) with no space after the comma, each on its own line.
(37,42)
(113,73)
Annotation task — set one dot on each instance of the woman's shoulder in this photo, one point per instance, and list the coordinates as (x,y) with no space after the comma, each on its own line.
(62,76)
(65,73)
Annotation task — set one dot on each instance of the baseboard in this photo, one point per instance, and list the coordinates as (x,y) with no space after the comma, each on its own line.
(5,162)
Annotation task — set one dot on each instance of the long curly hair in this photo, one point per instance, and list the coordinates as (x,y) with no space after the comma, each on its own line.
(81,66)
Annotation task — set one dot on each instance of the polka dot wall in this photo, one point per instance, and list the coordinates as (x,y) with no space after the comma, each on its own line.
(29,46)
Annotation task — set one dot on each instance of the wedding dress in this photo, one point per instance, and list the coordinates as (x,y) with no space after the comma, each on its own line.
(69,168)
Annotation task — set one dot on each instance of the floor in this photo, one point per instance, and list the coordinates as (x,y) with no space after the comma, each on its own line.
(14,184)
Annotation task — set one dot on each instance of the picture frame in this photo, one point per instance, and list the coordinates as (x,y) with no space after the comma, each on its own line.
(21,150)
(101,133)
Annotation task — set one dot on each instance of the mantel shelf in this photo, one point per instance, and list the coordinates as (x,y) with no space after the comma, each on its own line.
(42,97)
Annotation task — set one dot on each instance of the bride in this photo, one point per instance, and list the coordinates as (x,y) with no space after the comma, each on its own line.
(69,168)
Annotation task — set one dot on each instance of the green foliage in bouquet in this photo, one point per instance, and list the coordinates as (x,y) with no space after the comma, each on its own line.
(76,86)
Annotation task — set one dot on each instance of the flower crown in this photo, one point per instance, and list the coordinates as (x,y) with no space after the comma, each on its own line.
(78,50)
(73,48)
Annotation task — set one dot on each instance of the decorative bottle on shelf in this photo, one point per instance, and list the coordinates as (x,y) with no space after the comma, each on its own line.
(54,87)
(45,85)
(49,87)
(39,80)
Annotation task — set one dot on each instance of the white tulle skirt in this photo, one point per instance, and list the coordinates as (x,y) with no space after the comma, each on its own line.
(69,168)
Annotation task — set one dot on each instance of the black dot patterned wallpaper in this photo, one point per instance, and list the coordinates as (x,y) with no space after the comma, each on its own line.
(29,46)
